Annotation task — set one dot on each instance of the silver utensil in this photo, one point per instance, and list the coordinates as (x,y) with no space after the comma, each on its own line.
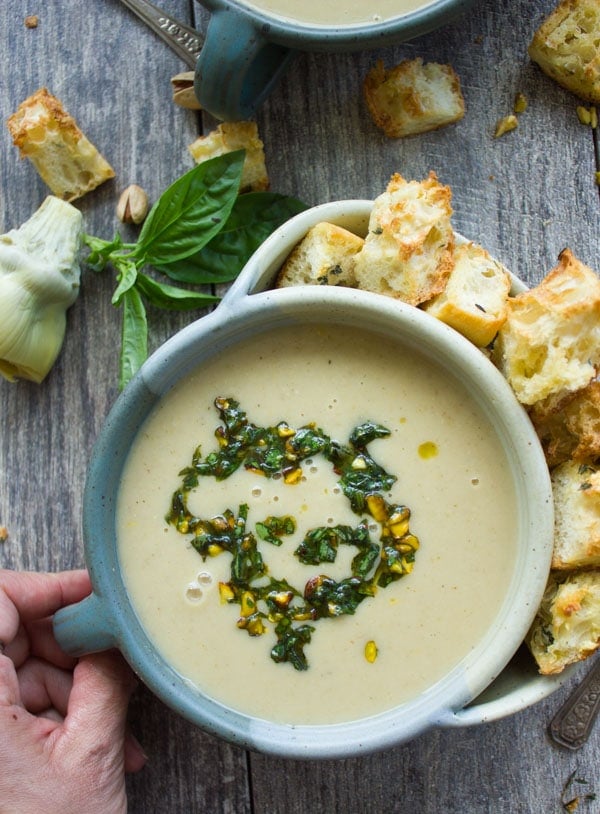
(573,723)
(184,40)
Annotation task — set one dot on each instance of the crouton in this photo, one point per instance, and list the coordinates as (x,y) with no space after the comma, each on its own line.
(576,491)
(567,47)
(549,345)
(231,136)
(567,626)
(65,159)
(413,97)
(474,299)
(325,256)
(408,251)
(571,428)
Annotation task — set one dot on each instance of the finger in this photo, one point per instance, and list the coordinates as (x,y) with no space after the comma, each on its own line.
(51,714)
(135,757)
(9,683)
(28,595)
(43,645)
(18,648)
(44,686)
(102,687)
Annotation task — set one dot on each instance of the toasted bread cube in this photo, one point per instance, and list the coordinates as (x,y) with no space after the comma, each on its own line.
(413,97)
(408,251)
(549,345)
(46,134)
(576,491)
(325,256)
(567,47)
(567,626)
(474,299)
(571,428)
(231,136)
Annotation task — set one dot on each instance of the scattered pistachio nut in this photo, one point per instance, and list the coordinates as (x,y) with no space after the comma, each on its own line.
(31,21)
(371,651)
(183,91)
(520,103)
(587,115)
(3,534)
(133,205)
(505,125)
(584,115)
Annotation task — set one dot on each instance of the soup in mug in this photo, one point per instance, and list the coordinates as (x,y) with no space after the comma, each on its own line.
(440,584)
(335,13)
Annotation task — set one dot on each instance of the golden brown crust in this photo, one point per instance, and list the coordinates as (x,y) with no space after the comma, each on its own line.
(228,137)
(567,627)
(549,345)
(49,136)
(576,492)
(413,97)
(325,256)
(570,428)
(408,251)
(474,299)
(565,46)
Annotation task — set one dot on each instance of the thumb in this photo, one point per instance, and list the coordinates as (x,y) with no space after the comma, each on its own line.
(102,686)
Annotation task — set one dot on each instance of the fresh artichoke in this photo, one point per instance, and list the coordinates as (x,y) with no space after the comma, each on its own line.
(39,280)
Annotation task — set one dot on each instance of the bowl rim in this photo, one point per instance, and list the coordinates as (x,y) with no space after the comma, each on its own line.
(316,37)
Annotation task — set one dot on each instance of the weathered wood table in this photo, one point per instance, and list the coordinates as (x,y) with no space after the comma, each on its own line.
(525,196)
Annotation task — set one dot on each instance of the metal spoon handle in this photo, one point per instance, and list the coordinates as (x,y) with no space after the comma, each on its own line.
(184,40)
(573,722)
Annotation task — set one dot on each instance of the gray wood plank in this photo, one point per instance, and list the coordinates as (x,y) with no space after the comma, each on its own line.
(524,196)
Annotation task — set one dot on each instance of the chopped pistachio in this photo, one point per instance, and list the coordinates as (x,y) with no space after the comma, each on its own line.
(597,177)
(587,116)
(505,125)
(371,651)
(584,115)
(31,21)
(520,103)
(226,593)
(3,534)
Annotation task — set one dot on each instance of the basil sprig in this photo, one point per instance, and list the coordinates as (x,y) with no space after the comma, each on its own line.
(199,232)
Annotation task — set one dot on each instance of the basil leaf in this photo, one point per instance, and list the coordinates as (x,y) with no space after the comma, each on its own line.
(171,297)
(100,250)
(126,277)
(134,336)
(253,217)
(191,211)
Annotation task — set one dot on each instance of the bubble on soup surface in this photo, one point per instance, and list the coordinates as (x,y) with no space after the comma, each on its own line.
(193,592)
(204,578)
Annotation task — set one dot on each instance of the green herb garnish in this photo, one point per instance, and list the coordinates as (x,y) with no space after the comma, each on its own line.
(280,451)
(201,232)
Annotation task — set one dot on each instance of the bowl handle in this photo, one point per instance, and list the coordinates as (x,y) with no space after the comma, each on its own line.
(238,66)
(84,627)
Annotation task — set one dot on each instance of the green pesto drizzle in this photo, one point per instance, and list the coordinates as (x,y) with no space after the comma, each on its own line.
(279,451)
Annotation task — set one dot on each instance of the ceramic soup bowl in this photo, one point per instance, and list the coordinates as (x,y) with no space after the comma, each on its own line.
(488,675)
(248,45)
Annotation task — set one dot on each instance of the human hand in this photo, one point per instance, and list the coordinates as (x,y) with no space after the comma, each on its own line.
(64,747)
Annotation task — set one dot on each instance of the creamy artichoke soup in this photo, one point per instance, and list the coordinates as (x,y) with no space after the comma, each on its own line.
(337,12)
(456,550)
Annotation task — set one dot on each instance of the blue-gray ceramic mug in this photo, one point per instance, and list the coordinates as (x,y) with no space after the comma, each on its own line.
(248,48)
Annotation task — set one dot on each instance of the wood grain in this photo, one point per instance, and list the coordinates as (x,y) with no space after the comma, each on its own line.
(524,196)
